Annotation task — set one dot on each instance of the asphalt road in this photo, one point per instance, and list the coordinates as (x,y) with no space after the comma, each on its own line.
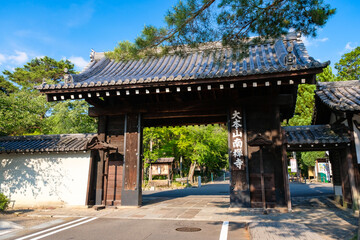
(214,189)
(311,190)
(114,228)
(104,228)
(222,188)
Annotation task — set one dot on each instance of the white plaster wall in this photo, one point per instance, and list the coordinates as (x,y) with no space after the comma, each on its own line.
(45,179)
(357,137)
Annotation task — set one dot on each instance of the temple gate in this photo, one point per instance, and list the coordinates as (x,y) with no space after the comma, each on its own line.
(251,95)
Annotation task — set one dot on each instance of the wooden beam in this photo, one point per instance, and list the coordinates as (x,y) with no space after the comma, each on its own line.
(97,102)
(184,121)
(186,106)
(190,114)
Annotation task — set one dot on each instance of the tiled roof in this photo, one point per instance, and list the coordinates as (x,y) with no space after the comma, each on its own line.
(316,135)
(44,143)
(263,59)
(164,160)
(340,96)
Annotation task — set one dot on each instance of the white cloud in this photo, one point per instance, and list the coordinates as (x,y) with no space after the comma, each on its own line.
(323,39)
(348,48)
(79,62)
(19,57)
(2,58)
(313,42)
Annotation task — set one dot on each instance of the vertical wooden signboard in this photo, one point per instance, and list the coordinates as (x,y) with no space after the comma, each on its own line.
(239,192)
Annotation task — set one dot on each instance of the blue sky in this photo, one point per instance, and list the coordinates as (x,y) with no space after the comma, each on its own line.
(69,29)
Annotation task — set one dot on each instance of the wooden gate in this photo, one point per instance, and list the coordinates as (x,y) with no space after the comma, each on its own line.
(114,184)
(256,191)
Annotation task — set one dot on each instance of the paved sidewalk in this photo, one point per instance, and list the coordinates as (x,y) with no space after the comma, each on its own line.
(281,230)
(312,217)
(7,227)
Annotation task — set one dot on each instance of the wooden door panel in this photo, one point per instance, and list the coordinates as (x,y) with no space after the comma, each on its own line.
(255,190)
(114,185)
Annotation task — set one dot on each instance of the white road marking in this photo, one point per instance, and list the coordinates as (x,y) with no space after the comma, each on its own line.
(224,230)
(7,231)
(62,229)
(47,224)
(53,228)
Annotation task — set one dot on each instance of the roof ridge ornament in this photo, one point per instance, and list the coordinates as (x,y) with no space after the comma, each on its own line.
(290,58)
(68,78)
(92,55)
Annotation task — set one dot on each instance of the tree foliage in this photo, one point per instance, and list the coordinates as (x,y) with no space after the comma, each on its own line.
(309,158)
(23,110)
(205,145)
(38,69)
(192,22)
(6,86)
(349,65)
(69,117)
(4,202)
(326,76)
(304,105)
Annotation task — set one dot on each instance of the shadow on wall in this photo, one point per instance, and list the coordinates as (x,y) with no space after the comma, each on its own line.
(32,175)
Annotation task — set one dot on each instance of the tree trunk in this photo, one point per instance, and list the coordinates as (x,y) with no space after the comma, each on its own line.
(191,172)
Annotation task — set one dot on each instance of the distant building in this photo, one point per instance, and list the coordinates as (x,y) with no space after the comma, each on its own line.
(162,167)
(338,104)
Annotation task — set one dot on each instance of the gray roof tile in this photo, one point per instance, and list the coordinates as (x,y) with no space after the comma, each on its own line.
(316,134)
(262,59)
(44,143)
(340,96)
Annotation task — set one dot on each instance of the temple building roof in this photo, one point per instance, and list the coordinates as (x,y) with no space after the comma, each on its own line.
(316,137)
(286,56)
(45,143)
(163,160)
(341,96)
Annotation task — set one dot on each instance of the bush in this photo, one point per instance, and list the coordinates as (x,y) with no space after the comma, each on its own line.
(4,202)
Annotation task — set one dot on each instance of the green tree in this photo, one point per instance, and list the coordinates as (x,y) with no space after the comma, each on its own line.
(69,117)
(192,22)
(326,76)
(38,69)
(309,158)
(23,110)
(349,65)
(6,86)
(205,145)
(304,107)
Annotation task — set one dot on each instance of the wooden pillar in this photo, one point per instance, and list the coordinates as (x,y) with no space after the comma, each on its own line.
(345,179)
(90,192)
(285,175)
(334,157)
(239,185)
(262,179)
(263,123)
(100,165)
(131,191)
(354,175)
(352,178)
